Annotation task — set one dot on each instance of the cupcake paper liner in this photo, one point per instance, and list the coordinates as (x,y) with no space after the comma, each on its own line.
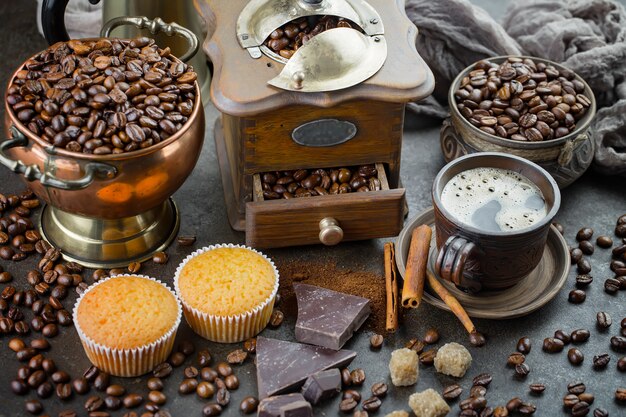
(228,329)
(128,362)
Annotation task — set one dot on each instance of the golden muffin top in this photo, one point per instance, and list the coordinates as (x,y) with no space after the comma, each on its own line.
(126,312)
(226,281)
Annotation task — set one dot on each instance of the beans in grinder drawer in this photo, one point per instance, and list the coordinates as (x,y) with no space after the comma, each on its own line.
(315,182)
(103,97)
(522,100)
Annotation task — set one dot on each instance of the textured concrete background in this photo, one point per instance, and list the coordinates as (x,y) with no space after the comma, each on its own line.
(593,201)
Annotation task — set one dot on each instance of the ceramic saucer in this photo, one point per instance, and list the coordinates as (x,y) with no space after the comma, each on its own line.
(530,294)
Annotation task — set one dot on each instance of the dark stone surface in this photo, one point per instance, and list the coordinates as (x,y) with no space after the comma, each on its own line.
(593,201)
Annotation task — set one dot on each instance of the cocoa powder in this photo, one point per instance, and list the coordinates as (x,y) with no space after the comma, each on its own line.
(328,275)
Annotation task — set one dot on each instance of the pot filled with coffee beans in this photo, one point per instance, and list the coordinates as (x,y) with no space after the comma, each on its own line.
(529,107)
(312,96)
(104,131)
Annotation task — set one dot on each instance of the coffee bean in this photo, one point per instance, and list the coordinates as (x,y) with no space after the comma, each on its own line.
(101,381)
(537,388)
(483,380)
(415,345)
(186,347)
(618,343)
(276,318)
(583,281)
(208,374)
(162,370)
(379,389)
(577,296)
(524,345)
(576,387)
(500,412)
(160,258)
(16,344)
(19,387)
(586,397)
(478,391)
(80,385)
(91,373)
(132,400)
(621,364)
(562,336)
(60,377)
(64,391)
(231,382)
(514,403)
(604,241)
(237,357)
(600,412)
(187,386)
(176,359)
(586,247)
(452,392)
(575,356)
(157,397)
(45,390)
(115,390)
(376,341)
(372,404)
(585,233)
(347,405)
(134,267)
(224,369)
(36,378)
(579,409)
(552,345)
(211,409)
(431,336)
(570,400)
(204,358)
(350,393)
(346,377)
(620,394)
(580,335)
(248,405)
(186,240)
(427,357)
(583,266)
(48,365)
(112,403)
(604,320)
(612,285)
(357,376)
(522,370)
(222,397)
(34,406)
(515,358)
(204,389)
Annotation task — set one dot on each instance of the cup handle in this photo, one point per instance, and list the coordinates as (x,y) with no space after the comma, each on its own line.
(451,261)
(155,26)
(33,173)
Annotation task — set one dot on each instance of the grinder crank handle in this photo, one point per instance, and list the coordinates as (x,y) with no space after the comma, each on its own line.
(33,173)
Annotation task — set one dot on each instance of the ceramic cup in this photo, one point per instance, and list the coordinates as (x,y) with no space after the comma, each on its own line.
(485,260)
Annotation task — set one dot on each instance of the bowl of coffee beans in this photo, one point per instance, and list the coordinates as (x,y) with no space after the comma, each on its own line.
(529,107)
(104,128)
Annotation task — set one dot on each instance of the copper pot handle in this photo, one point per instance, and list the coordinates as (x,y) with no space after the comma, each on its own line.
(451,261)
(155,26)
(33,173)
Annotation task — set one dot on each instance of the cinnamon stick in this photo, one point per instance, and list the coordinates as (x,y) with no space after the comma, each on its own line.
(451,302)
(391,285)
(415,275)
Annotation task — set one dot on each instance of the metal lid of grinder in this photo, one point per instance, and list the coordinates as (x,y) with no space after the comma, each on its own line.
(332,60)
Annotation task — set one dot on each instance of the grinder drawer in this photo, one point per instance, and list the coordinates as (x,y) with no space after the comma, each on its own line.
(325,219)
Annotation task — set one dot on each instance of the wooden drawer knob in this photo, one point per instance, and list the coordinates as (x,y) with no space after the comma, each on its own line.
(330,232)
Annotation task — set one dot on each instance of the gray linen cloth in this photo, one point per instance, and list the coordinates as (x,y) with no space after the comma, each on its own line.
(587,36)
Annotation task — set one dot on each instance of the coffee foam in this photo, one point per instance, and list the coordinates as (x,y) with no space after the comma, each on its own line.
(494,199)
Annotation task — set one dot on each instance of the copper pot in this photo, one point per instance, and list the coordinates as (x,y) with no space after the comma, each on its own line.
(103,186)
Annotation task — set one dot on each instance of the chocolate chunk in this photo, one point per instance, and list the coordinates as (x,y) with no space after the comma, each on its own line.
(284,366)
(328,318)
(290,405)
(322,386)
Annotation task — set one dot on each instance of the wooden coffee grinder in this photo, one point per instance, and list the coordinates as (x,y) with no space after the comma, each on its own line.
(338,101)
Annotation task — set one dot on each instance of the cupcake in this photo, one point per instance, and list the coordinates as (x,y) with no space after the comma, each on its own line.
(127,323)
(227,292)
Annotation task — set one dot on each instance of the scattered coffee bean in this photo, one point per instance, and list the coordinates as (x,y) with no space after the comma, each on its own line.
(587,247)
(249,405)
(204,358)
(208,374)
(537,388)
(205,390)
(500,412)
(415,345)
(562,336)
(379,389)
(575,356)
(19,387)
(580,335)
(583,266)
(524,345)
(431,336)
(101,382)
(188,385)
(621,364)
(600,412)
(570,400)
(91,373)
(612,285)
(427,357)
(231,382)
(211,409)
(162,370)
(176,359)
(587,397)
(112,403)
(222,397)
(483,379)
(357,376)
(186,347)
(372,404)
(347,405)
(585,233)
(514,403)
(154,384)
(237,357)
(583,281)
(577,296)
(34,406)
(224,369)
(604,320)
(16,344)
(191,372)
(134,267)
(60,377)
(157,397)
(515,358)
(618,343)
(250,345)
(45,390)
(552,345)
(132,400)
(80,385)
(522,370)
(452,392)
(604,241)
(276,319)
(575,255)
(477,339)
(115,390)
(478,391)
(576,388)
(64,391)
(376,341)
(160,258)
(620,394)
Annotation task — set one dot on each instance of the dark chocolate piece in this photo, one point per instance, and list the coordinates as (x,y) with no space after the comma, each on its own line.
(328,318)
(289,405)
(322,386)
(284,366)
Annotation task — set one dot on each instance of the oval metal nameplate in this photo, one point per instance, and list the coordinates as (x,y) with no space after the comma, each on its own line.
(324,132)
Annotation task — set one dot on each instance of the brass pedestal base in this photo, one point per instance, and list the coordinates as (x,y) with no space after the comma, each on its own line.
(98,243)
